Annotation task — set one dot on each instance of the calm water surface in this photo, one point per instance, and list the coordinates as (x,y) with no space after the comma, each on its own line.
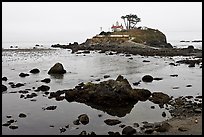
(86,68)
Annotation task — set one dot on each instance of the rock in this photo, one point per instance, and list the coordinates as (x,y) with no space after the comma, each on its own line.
(50,108)
(157,78)
(83,133)
(4,88)
(163,114)
(23,74)
(159,98)
(145,61)
(136,83)
(92,133)
(149,131)
(84,119)
(197,110)
(31,95)
(35,71)
(62,129)
(6,124)
(76,122)
(43,88)
(4,79)
(99,115)
(122,125)
(13,126)
(190,47)
(11,121)
(113,133)
(59,98)
(106,76)
(147,78)
(191,65)
(189,85)
(183,129)
(174,75)
(19,84)
(22,115)
(46,80)
(172,64)
(57,69)
(67,126)
(112,122)
(9,116)
(128,130)
(140,94)
(164,127)
(136,125)
(148,125)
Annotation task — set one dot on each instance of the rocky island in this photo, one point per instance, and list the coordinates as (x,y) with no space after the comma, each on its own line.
(142,40)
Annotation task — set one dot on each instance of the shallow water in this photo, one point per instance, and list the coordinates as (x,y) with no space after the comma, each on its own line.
(86,68)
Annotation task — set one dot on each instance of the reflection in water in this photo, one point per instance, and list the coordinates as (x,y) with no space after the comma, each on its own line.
(57,76)
(113,111)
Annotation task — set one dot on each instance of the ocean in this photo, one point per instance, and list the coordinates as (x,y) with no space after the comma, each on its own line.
(87,68)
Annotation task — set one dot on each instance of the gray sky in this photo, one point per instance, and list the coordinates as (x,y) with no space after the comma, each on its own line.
(77,21)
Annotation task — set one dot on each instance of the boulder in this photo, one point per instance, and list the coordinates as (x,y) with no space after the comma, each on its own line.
(4,79)
(4,88)
(84,119)
(159,98)
(147,78)
(35,71)
(128,130)
(57,69)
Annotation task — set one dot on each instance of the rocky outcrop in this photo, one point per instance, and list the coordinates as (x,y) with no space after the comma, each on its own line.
(116,97)
(57,69)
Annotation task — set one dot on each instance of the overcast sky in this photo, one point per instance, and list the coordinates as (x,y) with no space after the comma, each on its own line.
(77,21)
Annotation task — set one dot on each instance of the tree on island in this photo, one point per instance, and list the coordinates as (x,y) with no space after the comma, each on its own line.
(130,21)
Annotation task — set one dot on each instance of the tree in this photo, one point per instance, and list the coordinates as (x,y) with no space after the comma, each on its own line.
(130,21)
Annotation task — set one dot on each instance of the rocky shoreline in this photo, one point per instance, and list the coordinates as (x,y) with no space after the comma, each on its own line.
(132,48)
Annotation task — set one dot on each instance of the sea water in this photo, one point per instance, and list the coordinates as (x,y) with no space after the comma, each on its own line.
(87,68)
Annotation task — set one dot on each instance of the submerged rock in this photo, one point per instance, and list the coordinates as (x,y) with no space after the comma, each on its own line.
(112,122)
(57,69)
